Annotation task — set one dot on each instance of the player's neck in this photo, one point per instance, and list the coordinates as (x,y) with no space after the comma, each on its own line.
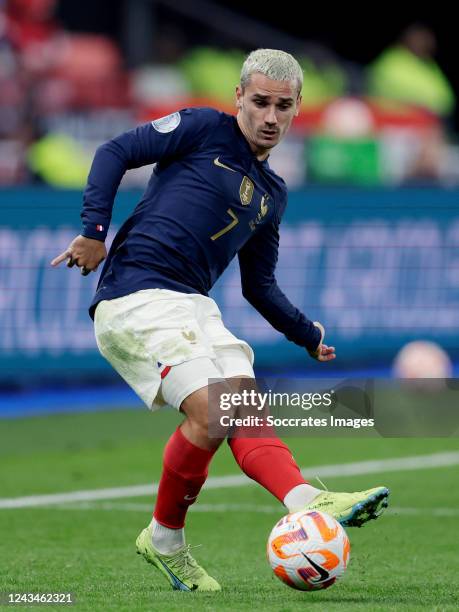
(260,154)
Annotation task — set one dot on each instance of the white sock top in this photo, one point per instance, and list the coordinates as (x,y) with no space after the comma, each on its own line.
(165,540)
(300,496)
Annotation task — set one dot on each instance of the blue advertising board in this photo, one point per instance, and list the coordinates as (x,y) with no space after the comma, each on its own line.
(377,267)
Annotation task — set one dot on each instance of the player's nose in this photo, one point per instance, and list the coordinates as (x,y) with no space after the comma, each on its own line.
(271,117)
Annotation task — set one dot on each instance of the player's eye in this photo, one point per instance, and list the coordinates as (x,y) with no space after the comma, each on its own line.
(260,103)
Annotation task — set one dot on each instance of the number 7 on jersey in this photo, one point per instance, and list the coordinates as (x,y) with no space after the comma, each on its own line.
(228,227)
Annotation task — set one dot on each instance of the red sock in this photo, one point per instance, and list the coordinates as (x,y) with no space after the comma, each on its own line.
(185,468)
(269,462)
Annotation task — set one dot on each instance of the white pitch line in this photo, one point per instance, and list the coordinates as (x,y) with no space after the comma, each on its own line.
(405,511)
(133,507)
(205,508)
(416,462)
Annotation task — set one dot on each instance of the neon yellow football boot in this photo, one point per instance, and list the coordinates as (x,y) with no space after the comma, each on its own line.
(352,509)
(182,571)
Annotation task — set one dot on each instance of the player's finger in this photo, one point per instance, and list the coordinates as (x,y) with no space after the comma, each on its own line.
(326,353)
(60,258)
(327,357)
(84,271)
(71,262)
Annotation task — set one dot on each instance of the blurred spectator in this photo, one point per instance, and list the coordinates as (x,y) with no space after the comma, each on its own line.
(324,75)
(26,29)
(31,27)
(46,74)
(60,161)
(161,81)
(213,73)
(87,76)
(63,93)
(408,72)
(87,72)
(345,149)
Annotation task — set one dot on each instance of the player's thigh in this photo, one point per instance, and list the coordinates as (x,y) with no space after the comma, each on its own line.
(146,334)
(186,385)
(233,362)
(234,356)
(196,388)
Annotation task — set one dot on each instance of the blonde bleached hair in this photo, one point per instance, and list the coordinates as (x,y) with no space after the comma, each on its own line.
(274,64)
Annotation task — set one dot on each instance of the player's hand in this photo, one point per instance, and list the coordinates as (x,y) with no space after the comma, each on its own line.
(85,253)
(322,352)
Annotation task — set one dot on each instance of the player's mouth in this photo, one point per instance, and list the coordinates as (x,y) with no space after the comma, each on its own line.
(270,134)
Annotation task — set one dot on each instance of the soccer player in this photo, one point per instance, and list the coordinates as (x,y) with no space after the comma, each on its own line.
(211,196)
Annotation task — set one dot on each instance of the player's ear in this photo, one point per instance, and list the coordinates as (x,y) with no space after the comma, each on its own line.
(298,104)
(238,96)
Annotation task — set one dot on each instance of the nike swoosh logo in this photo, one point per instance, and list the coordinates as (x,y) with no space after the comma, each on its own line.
(324,575)
(187,497)
(218,163)
(176,582)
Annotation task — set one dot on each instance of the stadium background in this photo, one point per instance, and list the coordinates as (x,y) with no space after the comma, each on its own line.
(369,242)
(369,247)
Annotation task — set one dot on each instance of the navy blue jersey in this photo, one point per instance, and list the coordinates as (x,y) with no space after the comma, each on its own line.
(208,199)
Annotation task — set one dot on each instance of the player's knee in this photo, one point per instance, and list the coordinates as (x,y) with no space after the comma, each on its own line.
(204,412)
(199,429)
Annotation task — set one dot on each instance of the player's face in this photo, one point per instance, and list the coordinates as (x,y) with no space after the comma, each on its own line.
(266,109)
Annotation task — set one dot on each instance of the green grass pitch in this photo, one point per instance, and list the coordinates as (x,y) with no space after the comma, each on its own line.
(407,560)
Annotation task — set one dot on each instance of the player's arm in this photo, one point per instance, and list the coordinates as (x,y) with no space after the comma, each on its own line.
(112,159)
(257,262)
(177,134)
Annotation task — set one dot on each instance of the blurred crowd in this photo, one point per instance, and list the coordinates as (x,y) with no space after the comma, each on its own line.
(62,93)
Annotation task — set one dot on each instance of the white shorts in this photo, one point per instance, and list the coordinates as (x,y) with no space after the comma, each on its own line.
(167,344)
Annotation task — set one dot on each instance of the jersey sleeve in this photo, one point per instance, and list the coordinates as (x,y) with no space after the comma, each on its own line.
(257,263)
(175,135)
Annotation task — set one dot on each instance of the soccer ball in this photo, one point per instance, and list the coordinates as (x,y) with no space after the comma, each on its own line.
(308,550)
